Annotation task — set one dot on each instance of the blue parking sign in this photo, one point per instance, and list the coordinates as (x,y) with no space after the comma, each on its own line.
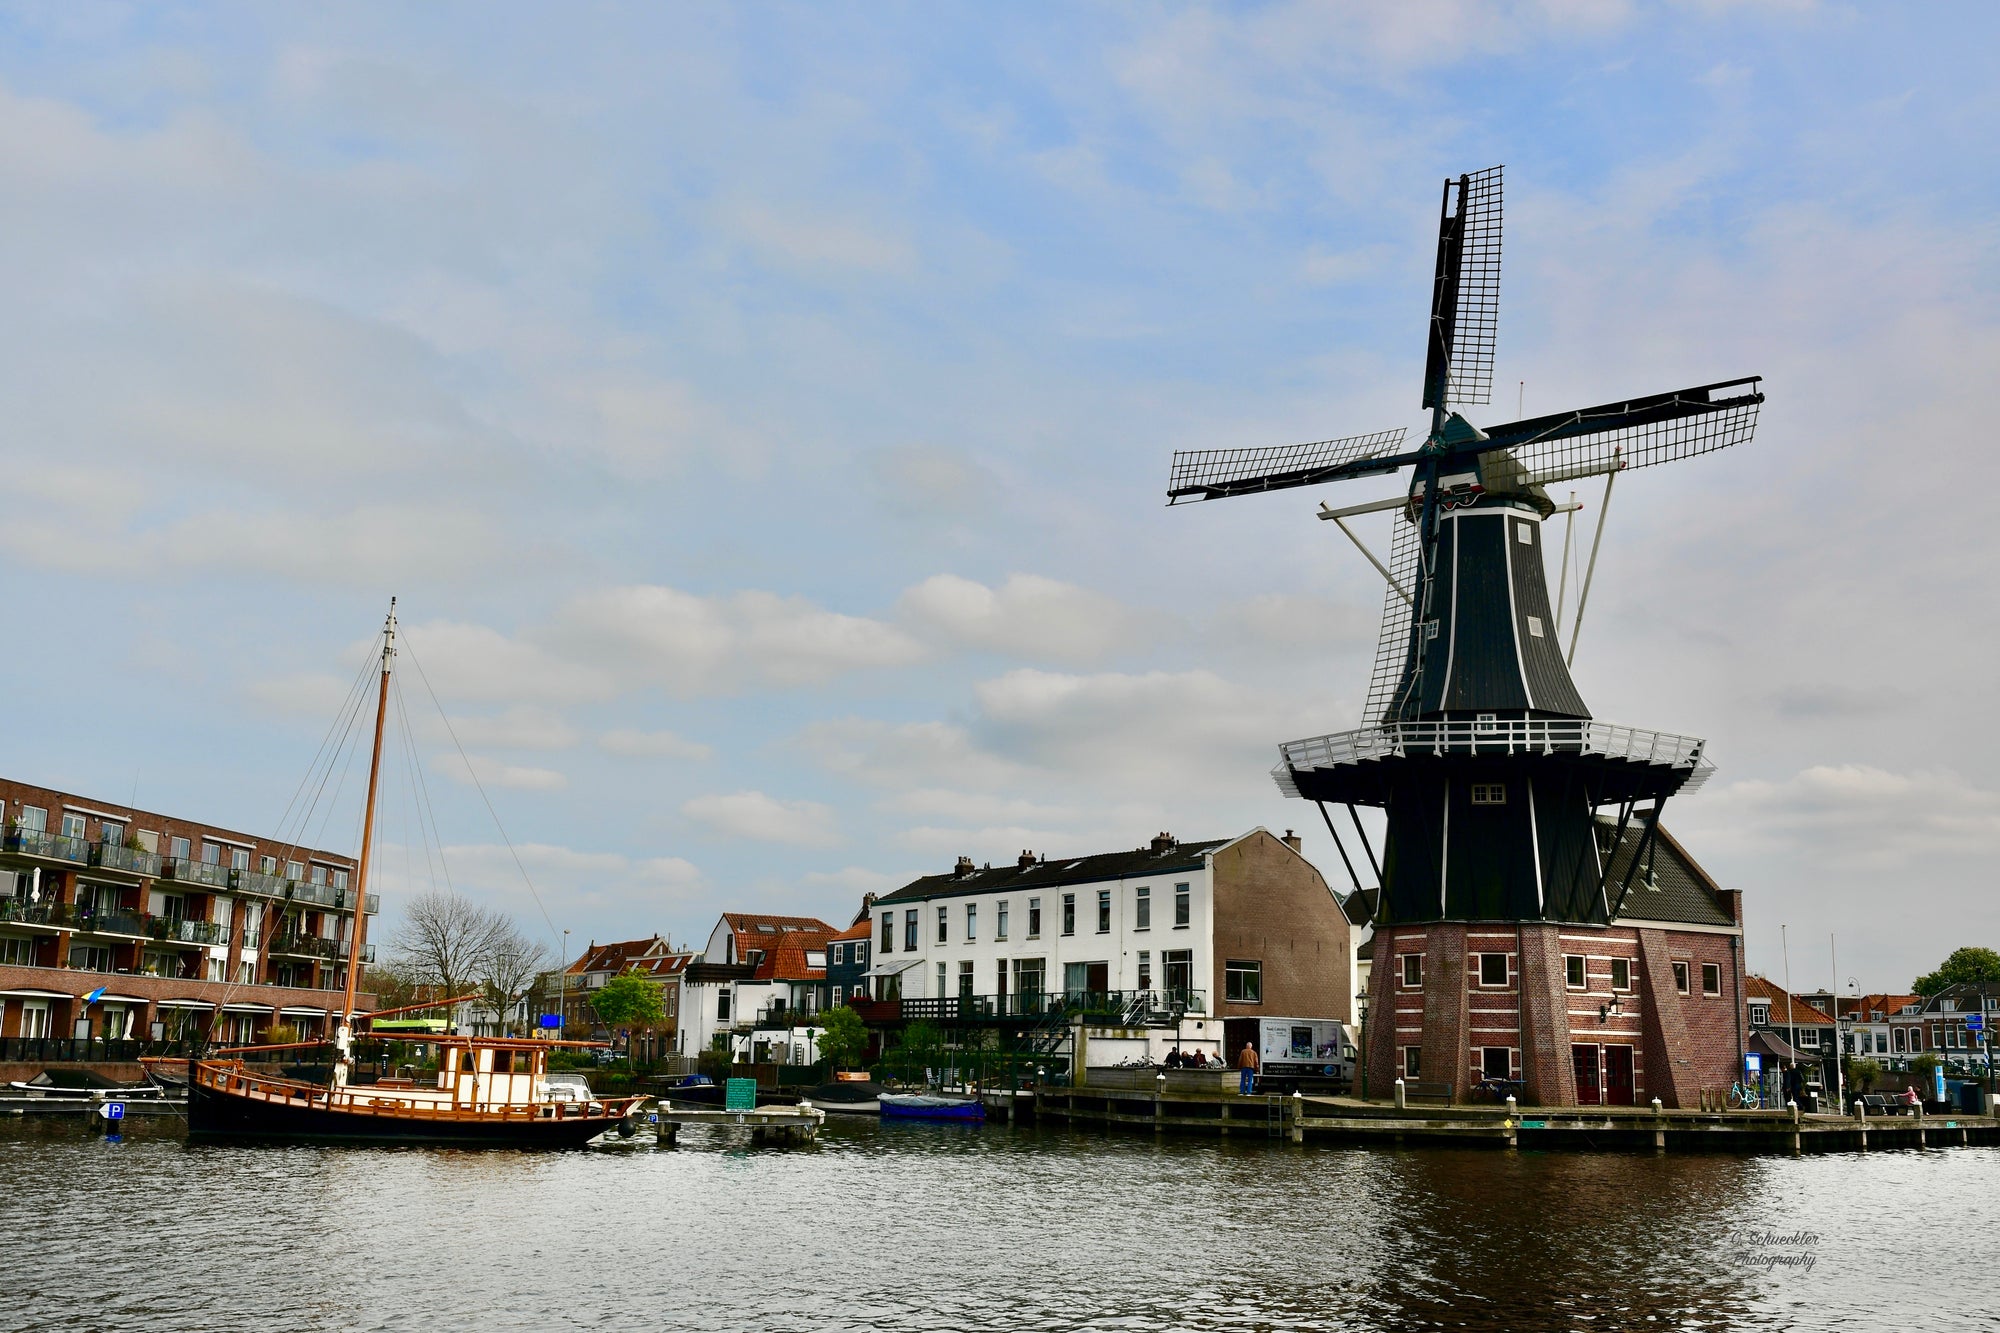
(113,1110)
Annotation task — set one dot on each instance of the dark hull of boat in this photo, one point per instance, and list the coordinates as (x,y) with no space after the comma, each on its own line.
(221,1116)
(957,1112)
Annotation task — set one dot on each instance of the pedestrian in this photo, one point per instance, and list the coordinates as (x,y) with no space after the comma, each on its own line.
(1247,1063)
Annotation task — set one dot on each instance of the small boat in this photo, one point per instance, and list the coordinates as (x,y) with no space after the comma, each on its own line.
(847,1097)
(488,1091)
(929,1106)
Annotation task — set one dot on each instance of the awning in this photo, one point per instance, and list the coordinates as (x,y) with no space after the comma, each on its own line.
(246,1008)
(290,1012)
(892,969)
(36,993)
(184,1004)
(121,999)
(1771,1044)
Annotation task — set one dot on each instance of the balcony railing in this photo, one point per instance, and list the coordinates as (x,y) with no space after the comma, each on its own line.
(178,931)
(19,911)
(258,883)
(304,946)
(367,951)
(320,895)
(133,861)
(1545,736)
(184,870)
(51,846)
(1129,1008)
(111,921)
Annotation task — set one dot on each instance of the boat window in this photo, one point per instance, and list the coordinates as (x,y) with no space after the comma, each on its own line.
(465,1062)
(503,1062)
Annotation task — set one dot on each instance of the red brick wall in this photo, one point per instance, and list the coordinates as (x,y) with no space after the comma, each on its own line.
(1545,1040)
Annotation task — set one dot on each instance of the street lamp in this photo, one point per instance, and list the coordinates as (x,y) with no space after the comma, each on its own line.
(1361,1010)
(562,990)
(1846,1022)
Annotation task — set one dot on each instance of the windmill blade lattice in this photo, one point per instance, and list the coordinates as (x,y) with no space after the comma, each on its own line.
(1210,474)
(1476,317)
(1636,433)
(1392,649)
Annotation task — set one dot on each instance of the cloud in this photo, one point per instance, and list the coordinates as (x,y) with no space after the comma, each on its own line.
(476,663)
(652,745)
(687,644)
(493,773)
(518,728)
(932,483)
(808,240)
(903,754)
(855,880)
(1028,616)
(1856,815)
(752,814)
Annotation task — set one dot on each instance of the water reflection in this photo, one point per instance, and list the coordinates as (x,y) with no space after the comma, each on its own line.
(912,1227)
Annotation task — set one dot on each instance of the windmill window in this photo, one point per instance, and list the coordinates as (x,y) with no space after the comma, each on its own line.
(1573,971)
(1535,626)
(1621,974)
(1489,793)
(1681,977)
(1430,629)
(1486,722)
(1524,534)
(1413,970)
(1711,978)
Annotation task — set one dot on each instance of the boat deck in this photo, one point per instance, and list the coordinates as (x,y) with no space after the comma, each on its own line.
(781,1124)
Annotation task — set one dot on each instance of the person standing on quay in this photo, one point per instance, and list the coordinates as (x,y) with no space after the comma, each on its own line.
(1247,1062)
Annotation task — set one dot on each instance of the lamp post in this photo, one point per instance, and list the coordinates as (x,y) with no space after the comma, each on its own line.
(1846,1022)
(1361,1009)
(562,990)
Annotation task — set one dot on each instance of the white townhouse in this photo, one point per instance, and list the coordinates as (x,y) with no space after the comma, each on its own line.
(755,972)
(1236,928)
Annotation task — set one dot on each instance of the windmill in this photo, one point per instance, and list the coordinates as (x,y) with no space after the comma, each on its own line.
(1505,799)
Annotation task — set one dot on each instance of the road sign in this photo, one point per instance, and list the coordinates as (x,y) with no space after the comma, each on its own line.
(1975,1022)
(112,1110)
(549,1021)
(1753,1063)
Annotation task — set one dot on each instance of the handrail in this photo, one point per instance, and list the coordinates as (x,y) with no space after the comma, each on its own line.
(1508,736)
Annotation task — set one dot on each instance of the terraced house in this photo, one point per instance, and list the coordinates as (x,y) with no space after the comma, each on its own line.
(188,929)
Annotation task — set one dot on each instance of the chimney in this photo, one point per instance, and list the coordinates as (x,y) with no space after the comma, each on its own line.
(963,868)
(1295,842)
(1026,859)
(868,901)
(1163,842)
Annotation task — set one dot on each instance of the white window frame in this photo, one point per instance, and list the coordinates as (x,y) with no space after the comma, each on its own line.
(1506,971)
(1626,965)
(1711,970)
(1412,962)
(1489,793)
(1683,976)
(1583,966)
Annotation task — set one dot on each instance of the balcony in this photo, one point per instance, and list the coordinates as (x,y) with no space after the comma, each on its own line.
(1117,1008)
(173,930)
(303,946)
(319,895)
(184,870)
(367,951)
(112,921)
(48,846)
(21,912)
(258,883)
(131,860)
(252,939)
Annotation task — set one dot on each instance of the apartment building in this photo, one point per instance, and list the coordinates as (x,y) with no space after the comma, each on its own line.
(188,929)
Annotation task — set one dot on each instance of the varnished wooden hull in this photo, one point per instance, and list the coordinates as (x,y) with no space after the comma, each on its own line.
(221,1115)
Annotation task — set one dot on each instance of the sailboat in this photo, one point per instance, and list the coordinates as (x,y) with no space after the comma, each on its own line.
(488,1090)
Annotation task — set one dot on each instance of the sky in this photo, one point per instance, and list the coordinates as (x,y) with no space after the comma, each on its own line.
(763,413)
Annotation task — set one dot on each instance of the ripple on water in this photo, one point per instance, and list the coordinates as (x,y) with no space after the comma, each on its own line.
(905,1227)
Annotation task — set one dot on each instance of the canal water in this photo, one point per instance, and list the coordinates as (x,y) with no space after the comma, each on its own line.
(905,1227)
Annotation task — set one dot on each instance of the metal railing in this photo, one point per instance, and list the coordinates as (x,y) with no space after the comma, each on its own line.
(1498,737)
(52,846)
(180,931)
(1133,1007)
(320,895)
(131,860)
(258,883)
(252,938)
(34,1049)
(19,911)
(367,951)
(305,946)
(111,921)
(186,870)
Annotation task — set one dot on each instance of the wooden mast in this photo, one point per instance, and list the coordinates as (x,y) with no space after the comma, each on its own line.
(359,932)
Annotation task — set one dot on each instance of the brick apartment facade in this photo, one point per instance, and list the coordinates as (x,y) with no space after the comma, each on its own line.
(1648,1006)
(191,929)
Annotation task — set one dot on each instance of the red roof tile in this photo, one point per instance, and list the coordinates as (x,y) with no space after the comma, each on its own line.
(860,930)
(788,962)
(650,956)
(1798,1011)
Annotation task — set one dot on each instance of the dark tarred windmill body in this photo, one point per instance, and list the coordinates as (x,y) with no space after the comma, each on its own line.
(1510,810)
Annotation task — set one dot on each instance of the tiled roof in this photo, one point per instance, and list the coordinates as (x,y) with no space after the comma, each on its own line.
(1867,1006)
(753,924)
(1758,988)
(651,956)
(860,930)
(1679,890)
(788,962)
(1052,872)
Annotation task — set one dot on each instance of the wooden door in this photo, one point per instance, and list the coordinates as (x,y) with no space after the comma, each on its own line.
(1584,1058)
(1618,1089)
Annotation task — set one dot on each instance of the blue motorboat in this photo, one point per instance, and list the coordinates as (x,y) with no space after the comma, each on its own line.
(929,1106)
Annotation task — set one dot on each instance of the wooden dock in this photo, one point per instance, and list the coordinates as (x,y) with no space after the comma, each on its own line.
(1596,1128)
(767,1124)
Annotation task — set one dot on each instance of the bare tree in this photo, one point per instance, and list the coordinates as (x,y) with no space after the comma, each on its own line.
(512,969)
(448,941)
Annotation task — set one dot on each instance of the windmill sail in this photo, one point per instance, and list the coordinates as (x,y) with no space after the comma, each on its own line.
(1392,649)
(1637,432)
(1465,294)
(1211,474)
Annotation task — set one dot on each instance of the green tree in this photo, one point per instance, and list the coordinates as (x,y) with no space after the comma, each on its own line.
(843,1036)
(631,1000)
(1971,963)
(1924,1067)
(921,1048)
(1861,1073)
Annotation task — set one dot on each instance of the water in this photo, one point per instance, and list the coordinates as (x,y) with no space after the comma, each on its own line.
(912,1227)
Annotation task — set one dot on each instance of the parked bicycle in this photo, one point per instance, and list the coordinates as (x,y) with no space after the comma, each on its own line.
(1743,1097)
